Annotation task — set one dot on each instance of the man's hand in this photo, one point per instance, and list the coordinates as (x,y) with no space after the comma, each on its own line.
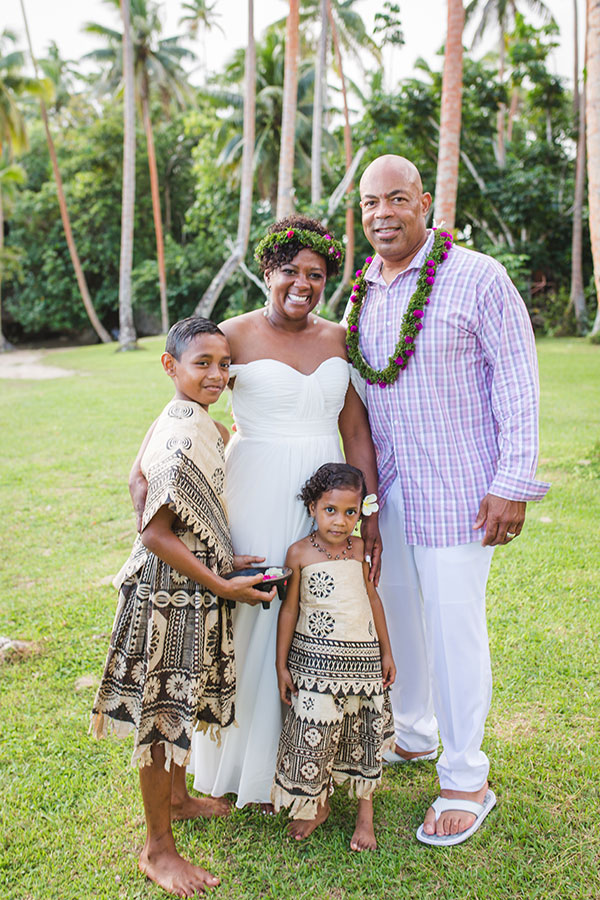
(369,529)
(503,519)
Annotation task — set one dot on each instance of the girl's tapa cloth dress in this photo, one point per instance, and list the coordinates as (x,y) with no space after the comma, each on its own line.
(170,667)
(340,722)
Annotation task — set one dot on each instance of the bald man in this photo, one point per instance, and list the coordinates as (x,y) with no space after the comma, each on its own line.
(456,441)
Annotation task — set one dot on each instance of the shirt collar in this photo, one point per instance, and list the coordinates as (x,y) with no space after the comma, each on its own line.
(374,275)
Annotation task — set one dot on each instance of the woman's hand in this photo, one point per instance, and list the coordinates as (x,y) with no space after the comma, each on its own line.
(286,685)
(245,562)
(388,669)
(369,529)
(242,590)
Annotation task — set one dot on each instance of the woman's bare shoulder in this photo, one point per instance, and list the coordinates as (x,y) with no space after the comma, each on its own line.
(239,328)
(335,336)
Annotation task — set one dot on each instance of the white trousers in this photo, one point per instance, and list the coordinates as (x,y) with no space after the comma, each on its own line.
(434,601)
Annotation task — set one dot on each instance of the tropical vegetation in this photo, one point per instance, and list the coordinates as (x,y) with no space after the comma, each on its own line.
(499,138)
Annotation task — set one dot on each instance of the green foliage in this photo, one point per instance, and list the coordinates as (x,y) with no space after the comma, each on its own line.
(71,813)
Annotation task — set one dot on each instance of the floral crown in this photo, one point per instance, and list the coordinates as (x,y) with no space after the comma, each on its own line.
(323,244)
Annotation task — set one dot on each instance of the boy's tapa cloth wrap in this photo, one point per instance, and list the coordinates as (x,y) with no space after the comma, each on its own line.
(170,666)
(340,721)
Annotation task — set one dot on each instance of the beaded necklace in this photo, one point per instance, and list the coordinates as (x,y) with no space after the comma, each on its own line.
(412,322)
(318,547)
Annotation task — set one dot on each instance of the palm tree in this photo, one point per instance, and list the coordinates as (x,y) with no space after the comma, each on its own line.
(316,184)
(502,14)
(592,91)
(268,116)
(127,335)
(206,305)
(446,185)
(62,204)
(577,296)
(200,14)
(285,182)
(157,62)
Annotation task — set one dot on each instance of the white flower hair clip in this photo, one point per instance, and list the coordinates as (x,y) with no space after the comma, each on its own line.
(370,505)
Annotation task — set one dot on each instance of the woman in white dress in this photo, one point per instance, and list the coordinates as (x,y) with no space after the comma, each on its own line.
(291,391)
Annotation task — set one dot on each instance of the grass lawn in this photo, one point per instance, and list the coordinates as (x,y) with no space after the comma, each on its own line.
(71,813)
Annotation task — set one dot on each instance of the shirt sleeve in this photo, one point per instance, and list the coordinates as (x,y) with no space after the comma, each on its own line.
(509,351)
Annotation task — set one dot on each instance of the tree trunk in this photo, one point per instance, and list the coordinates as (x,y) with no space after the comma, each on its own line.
(512,112)
(316,184)
(285,185)
(64,213)
(592,94)
(576,98)
(577,298)
(349,255)
(211,295)
(127,336)
(155,193)
(501,114)
(4,344)
(446,186)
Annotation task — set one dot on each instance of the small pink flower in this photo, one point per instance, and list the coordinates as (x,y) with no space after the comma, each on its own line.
(358,273)
(448,244)
(410,352)
(430,279)
(369,382)
(382,384)
(337,254)
(290,233)
(328,237)
(444,255)
(430,262)
(356,287)
(353,328)
(399,361)
(368,260)
(418,313)
(331,250)
(426,299)
(408,339)
(418,326)
(354,299)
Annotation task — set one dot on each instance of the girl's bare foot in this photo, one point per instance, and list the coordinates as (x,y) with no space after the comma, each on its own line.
(364,833)
(189,807)
(161,863)
(301,828)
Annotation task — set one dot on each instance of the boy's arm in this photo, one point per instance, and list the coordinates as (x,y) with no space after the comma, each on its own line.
(160,540)
(138,486)
(387,661)
(286,625)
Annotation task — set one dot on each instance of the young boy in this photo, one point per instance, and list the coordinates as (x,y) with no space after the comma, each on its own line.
(170,666)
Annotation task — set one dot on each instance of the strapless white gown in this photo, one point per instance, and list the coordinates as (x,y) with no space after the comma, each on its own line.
(287,426)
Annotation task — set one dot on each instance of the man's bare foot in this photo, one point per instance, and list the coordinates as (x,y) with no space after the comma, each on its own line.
(301,828)
(161,863)
(454,820)
(188,807)
(364,834)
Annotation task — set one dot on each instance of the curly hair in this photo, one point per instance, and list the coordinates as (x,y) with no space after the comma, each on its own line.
(330,477)
(272,258)
(184,331)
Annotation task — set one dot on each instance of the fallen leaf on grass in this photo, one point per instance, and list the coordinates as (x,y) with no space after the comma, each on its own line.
(545,519)
(11,649)
(86,681)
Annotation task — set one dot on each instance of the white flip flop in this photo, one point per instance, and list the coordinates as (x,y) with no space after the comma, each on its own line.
(480,810)
(391,758)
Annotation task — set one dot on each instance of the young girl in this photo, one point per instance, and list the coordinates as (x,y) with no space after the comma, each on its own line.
(334,663)
(170,666)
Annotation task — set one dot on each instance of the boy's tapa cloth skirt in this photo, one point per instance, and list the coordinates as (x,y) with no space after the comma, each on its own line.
(170,666)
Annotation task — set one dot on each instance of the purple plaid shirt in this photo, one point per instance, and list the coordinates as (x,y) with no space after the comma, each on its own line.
(462,420)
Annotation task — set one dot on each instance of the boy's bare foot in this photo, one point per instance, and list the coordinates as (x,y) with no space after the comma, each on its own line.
(454,820)
(199,807)
(161,863)
(364,833)
(267,809)
(301,828)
